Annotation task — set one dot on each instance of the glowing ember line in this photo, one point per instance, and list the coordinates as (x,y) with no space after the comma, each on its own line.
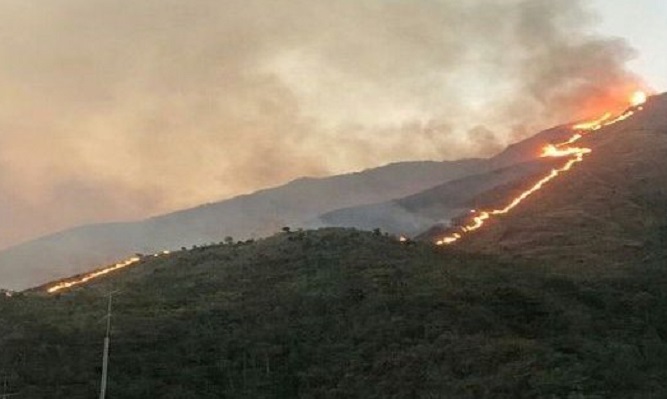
(593,125)
(572,140)
(556,151)
(88,277)
(552,150)
(81,280)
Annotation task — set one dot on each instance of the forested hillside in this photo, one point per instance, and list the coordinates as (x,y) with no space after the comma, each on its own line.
(343,314)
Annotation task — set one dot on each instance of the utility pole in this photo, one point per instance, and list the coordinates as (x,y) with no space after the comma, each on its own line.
(105,357)
(6,394)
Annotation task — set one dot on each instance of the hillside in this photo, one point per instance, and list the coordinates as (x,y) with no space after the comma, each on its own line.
(414,214)
(562,298)
(365,200)
(342,313)
(299,203)
(608,211)
(254,215)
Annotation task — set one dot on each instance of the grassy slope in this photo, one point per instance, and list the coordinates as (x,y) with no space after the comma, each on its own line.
(340,314)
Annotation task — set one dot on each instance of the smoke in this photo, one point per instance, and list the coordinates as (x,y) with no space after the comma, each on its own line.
(118,109)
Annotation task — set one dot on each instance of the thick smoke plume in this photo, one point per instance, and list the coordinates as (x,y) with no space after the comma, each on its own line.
(115,109)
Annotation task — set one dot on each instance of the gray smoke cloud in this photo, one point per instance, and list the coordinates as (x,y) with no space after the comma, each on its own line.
(117,109)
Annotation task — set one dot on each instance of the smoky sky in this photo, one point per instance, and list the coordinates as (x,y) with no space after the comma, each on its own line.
(118,109)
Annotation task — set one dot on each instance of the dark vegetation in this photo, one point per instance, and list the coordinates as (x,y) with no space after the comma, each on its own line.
(344,314)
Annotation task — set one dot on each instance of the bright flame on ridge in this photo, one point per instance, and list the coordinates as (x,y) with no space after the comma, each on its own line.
(638,98)
(560,150)
(90,276)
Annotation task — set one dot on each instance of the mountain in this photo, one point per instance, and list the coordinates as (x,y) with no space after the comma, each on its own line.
(415,213)
(343,314)
(428,214)
(609,211)
(255,215)
(404,198)
(564,297)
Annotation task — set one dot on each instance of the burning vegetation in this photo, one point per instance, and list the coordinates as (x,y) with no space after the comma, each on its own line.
(477,218)
(98,273)
(565,149)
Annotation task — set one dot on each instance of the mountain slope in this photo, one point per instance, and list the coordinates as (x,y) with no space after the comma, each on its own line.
(609,210)
(342,314)
(257,214)
(562,298)
(414,214)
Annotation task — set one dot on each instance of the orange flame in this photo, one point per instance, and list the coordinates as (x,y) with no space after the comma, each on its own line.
(81,280)
(594,124)
(71,283)
(564,149)
(556,151)
(638,98)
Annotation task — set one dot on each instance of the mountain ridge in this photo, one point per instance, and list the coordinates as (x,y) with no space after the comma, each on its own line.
(251,215)
(608,210)
(52,257)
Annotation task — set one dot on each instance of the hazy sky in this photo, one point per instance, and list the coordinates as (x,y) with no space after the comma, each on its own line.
(643,23)
(119,109)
